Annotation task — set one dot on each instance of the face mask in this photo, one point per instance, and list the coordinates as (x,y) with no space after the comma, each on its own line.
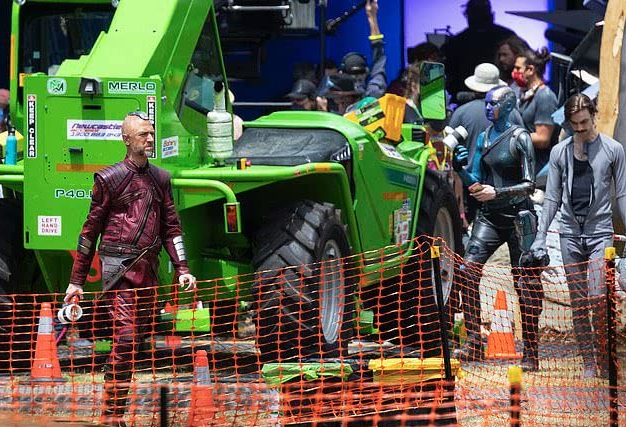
(519,78)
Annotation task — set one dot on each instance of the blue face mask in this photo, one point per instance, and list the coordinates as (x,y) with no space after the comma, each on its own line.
(1,115)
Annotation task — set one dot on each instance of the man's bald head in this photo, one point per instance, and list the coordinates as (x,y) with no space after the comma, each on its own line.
(138,135)
(132,121)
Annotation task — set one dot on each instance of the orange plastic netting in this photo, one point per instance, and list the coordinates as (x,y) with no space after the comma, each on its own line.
(349,341)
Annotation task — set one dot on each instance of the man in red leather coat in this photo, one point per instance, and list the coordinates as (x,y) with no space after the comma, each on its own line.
(133,212)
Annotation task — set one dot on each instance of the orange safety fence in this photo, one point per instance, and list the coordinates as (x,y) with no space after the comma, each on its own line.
(353,341)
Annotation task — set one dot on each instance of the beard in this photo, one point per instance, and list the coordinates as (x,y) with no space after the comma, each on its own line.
(505,72)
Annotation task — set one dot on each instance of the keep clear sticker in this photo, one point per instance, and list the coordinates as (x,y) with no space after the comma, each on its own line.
(402,222)
(49,225)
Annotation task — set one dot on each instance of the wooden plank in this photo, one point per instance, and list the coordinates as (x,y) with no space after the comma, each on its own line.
(610,63)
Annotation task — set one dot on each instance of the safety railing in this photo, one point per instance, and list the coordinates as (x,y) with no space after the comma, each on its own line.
(313,344)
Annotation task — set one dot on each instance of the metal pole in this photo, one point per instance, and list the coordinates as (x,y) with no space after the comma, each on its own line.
(163,406)
(434,256)
(515,389)
(322,4)
(609,258)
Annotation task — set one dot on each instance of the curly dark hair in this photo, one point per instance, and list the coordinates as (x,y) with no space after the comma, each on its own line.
(517,44)
(537,58)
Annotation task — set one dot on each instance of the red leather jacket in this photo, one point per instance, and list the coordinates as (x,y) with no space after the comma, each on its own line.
(132,207)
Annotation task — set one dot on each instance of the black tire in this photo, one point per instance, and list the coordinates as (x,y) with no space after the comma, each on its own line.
(408,313)
(294,252)
(439,210)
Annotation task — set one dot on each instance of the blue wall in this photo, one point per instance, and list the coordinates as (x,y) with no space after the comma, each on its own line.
(352,35)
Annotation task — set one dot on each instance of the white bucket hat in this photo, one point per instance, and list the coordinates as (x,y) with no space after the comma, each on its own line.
(486,77)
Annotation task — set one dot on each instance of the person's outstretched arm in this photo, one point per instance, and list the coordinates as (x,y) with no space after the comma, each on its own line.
(470,175)
(172,237)
(377,84)
(98,212)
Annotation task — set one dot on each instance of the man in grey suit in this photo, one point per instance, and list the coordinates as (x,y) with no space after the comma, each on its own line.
(582,169)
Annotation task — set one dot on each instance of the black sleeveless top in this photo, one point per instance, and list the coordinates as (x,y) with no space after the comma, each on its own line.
(582,187)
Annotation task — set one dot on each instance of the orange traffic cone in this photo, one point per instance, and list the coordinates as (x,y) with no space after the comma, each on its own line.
(202,408)
(46,367)
(501,343)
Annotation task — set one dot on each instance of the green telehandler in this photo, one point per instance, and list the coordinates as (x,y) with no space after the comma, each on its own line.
(296,194)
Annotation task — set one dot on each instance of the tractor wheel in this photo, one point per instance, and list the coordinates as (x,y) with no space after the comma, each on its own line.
(408,313)
(19,271)
(302,291)
(439,217)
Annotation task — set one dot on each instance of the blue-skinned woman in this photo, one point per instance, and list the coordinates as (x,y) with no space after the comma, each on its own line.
(501,178)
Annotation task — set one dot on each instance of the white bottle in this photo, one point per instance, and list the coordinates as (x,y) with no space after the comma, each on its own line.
(219,127)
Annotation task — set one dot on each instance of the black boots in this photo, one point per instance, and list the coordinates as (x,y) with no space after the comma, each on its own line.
(530,335)
(530,359)
(531,306)
(116,387)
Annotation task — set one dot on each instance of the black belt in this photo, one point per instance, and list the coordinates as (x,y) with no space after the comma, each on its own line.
(123,249)
(506,208)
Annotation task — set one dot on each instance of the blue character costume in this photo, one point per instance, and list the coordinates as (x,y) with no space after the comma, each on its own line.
(501,177)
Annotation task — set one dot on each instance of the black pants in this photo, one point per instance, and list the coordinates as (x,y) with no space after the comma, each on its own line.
(489,232)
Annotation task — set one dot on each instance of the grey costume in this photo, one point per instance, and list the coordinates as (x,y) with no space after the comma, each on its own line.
(584,238)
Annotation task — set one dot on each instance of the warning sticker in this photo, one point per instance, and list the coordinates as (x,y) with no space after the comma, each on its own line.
(169,147)
(390,151)
(402,222)
(369,114)
(49,225)
(151,103)
(31,126)
(94,129)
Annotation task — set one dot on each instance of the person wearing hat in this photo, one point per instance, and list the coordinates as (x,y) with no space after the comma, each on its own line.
(303,96)
(344,93)
(476,44)
(471,116)
(354,64)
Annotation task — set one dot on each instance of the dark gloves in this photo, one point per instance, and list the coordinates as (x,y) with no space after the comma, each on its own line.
(459,157)
(534,258)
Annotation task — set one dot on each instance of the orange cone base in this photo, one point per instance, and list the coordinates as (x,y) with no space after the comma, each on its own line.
(202,407)
(501,345)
